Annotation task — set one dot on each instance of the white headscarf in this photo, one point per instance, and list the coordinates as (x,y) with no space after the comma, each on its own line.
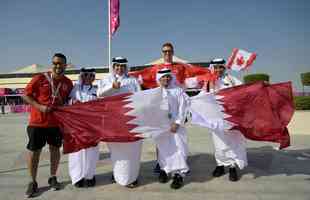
(216,61)
(164,72)
(84,70)
(123,61)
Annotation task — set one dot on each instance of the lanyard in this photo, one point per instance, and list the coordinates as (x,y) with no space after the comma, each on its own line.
(55,91)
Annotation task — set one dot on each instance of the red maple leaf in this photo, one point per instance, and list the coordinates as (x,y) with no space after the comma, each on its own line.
(240,60)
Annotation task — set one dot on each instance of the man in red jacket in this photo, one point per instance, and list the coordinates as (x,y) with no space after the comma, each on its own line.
(44,92)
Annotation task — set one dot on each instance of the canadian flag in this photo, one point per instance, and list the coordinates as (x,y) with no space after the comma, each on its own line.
(240,59)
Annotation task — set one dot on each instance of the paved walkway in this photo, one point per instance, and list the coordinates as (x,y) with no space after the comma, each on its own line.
(271,174)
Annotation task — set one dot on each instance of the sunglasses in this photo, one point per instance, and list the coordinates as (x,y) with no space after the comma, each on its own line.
(57,63)
(167,51)
(120,65)
(91,75)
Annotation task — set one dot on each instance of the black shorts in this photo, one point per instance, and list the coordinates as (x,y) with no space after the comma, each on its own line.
(39,136)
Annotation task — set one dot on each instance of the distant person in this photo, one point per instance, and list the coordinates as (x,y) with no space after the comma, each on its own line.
(2,108)
(44,92)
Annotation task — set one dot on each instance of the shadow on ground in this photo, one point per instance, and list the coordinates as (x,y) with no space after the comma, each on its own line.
(263,161)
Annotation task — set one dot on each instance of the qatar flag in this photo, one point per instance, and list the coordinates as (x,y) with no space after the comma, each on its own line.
(240,59)
(114,16)
(259,111)
(121,118)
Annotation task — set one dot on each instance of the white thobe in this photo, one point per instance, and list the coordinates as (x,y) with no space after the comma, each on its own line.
(82,164)
(172,147)
(230,146)
(125,157)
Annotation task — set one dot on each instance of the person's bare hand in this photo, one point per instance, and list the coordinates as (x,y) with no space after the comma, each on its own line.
(116,85)
(76,101)
(211,85)
(174,127)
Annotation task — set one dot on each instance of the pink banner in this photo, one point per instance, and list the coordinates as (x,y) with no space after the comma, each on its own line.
(20,108)
(114,16)
(3,91)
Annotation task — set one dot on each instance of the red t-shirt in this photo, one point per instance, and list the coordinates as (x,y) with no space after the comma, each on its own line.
(40,89)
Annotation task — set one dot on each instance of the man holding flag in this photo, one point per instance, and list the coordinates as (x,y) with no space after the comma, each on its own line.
(229,147)
(182,71)
(125,156)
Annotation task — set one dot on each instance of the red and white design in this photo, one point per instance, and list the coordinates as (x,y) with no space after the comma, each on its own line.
(186,74)
(117,118)
(240,59)
(114,15)
(259,111)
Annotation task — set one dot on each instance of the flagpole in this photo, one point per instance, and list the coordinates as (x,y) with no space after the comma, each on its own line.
(109,37)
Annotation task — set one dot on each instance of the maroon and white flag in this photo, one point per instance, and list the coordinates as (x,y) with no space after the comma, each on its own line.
(259,111)
(240,59)
(114,16)
(121,118)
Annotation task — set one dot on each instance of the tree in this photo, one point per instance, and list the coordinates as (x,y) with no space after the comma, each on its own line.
(251,78)
(305,80)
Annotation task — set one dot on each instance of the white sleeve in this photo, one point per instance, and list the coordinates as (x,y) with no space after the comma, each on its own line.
(137,85)
(184,103)
(236,81)
(105,86)
(72,95)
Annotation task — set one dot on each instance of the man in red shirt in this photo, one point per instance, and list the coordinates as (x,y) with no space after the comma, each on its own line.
(182,71)
(44,92)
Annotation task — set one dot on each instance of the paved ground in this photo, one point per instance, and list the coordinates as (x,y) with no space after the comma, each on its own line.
(271,174)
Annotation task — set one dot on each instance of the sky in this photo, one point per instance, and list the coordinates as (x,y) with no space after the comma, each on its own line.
(277,30)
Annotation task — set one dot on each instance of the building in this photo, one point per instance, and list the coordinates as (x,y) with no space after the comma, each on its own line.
(12,84)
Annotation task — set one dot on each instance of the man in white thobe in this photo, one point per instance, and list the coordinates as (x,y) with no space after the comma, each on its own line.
(230,147)
(125,157)
(172,145)
(82,164)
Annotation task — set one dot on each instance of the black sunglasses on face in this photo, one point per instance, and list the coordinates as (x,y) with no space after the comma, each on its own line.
(167,51)
(88,75)
(57,63)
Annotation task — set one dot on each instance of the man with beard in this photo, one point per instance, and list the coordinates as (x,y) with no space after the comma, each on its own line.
(45,92)
(125,156)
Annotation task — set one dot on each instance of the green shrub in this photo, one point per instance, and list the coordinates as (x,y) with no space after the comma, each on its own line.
(305,78)
(251,78)
(302,102)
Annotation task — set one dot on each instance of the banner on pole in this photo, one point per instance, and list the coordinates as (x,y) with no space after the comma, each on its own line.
(114,16)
